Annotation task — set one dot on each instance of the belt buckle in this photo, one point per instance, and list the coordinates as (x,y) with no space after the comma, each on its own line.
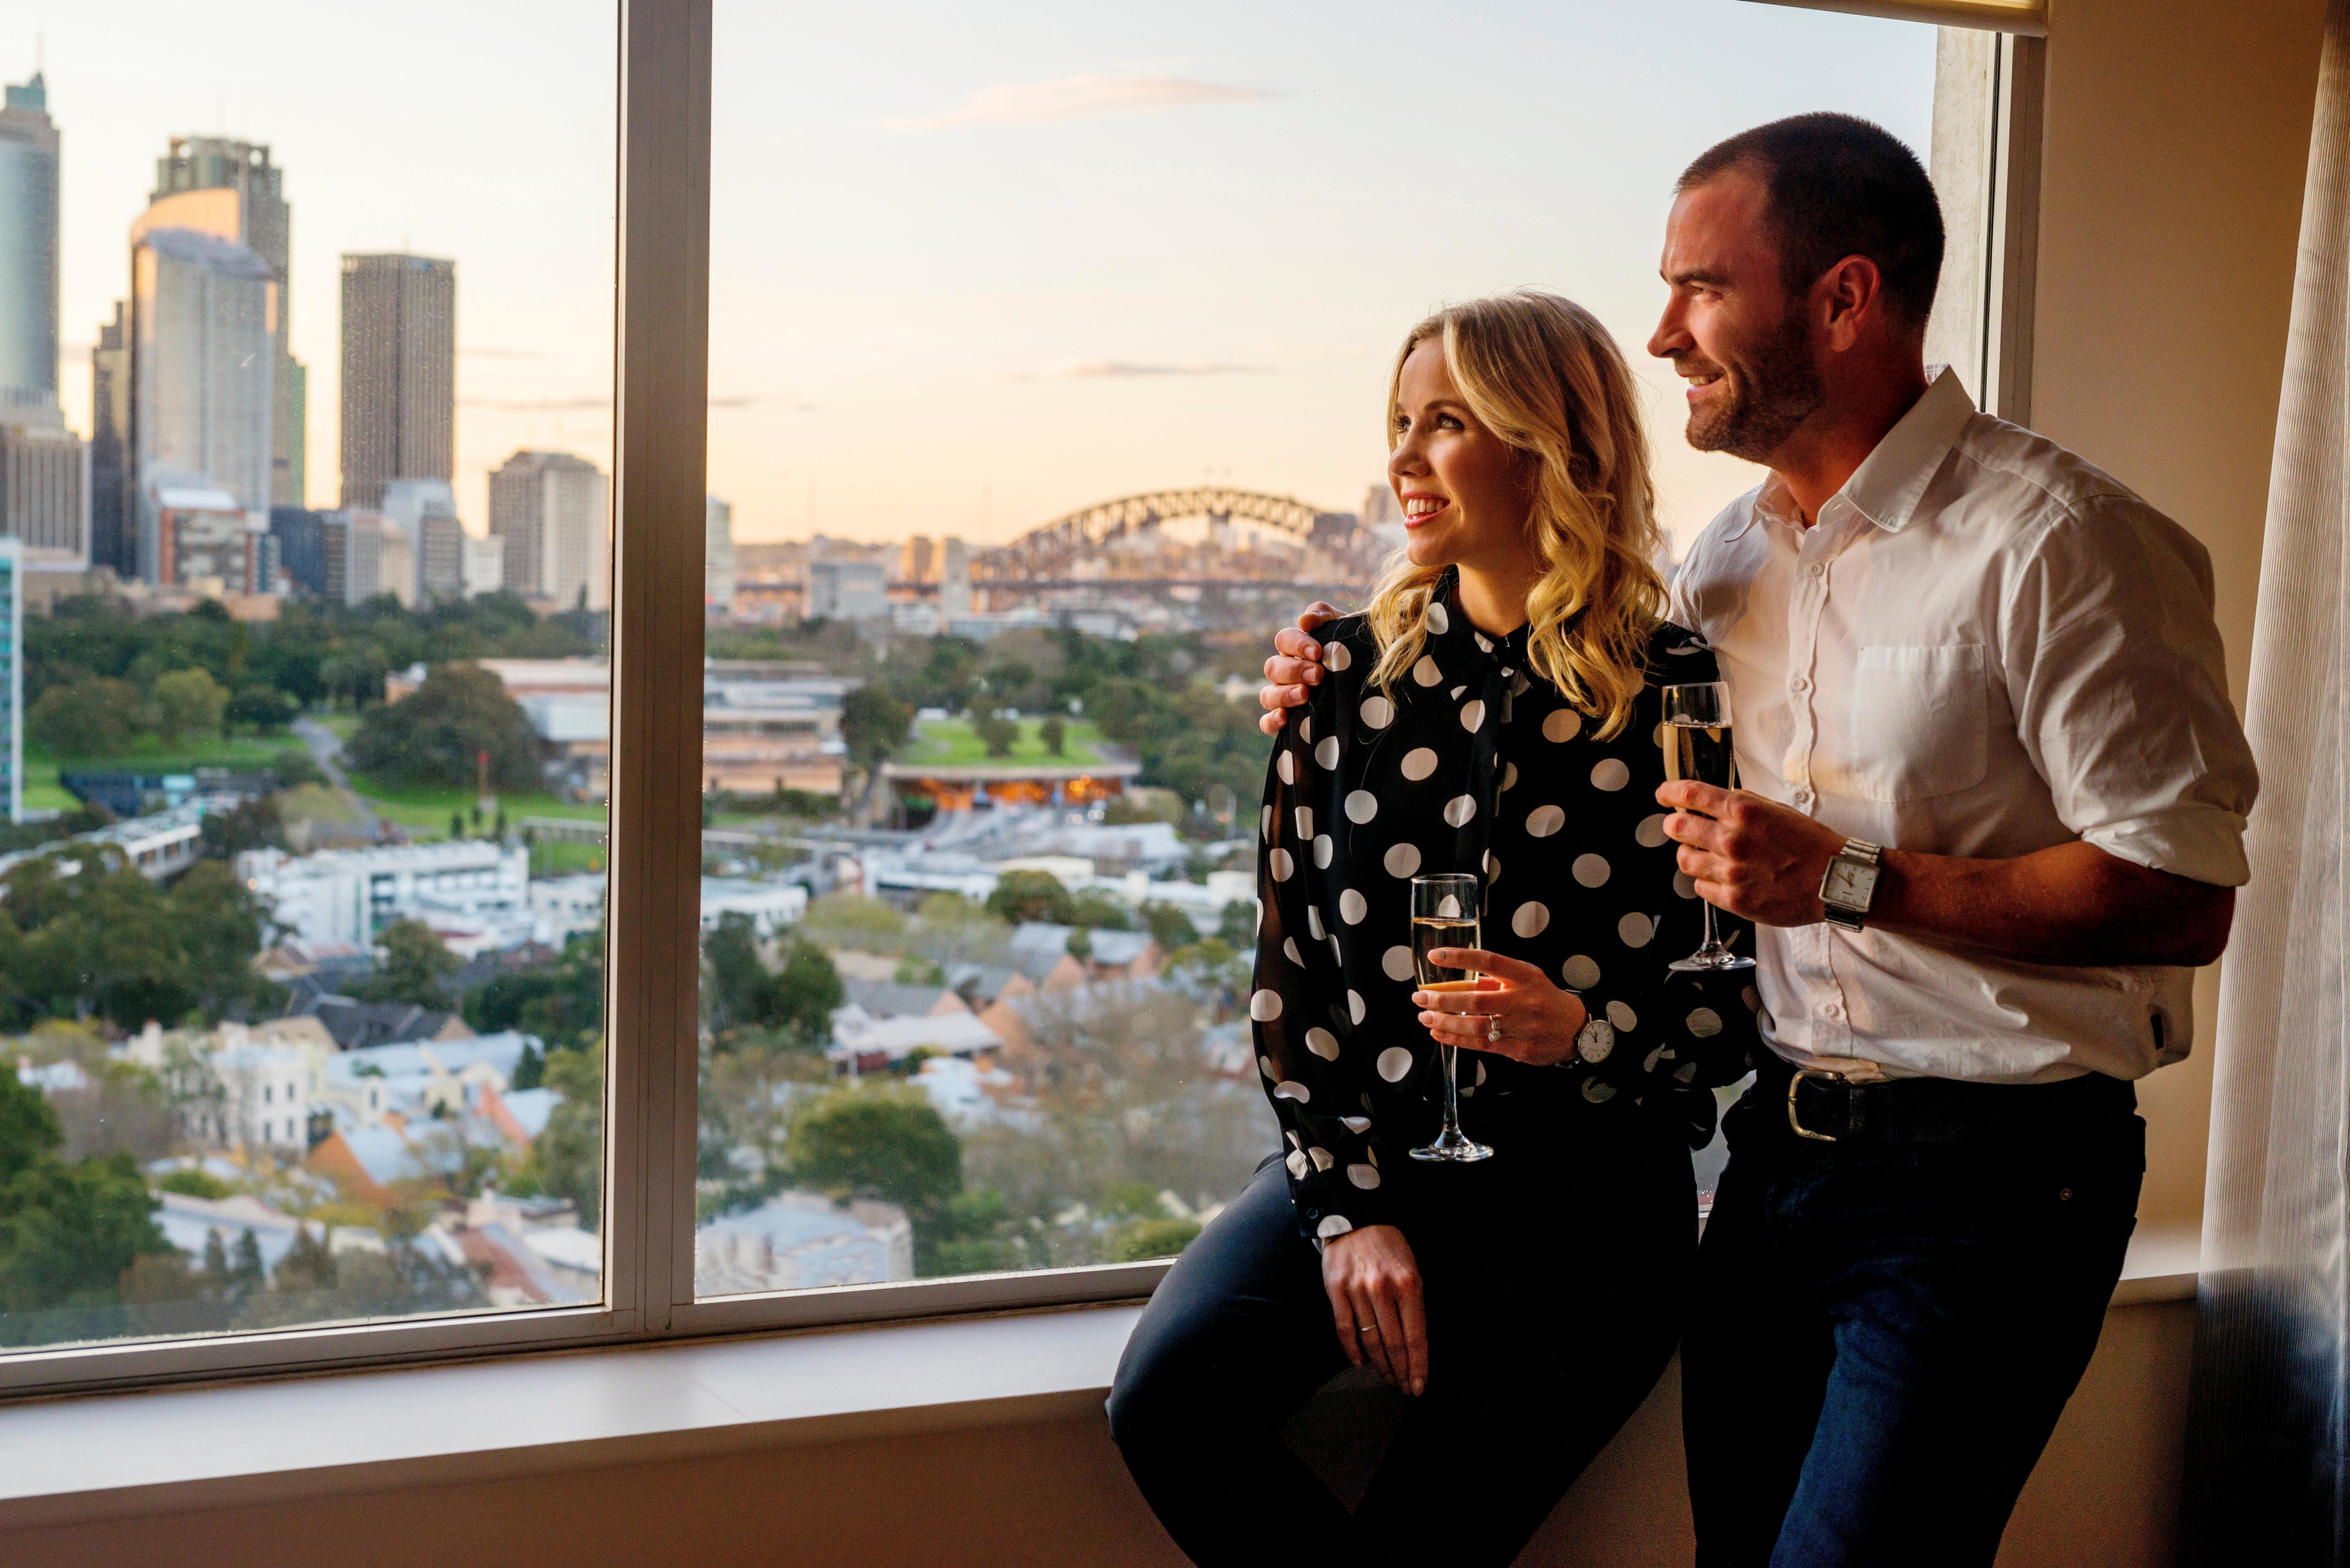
(1795,1084)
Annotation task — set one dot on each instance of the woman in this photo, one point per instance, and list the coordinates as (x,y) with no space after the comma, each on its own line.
(1496,709)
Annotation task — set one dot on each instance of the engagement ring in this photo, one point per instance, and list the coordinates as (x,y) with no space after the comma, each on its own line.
(1494,1029)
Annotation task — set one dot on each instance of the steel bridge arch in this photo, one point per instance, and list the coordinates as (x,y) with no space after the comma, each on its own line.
(1047,551)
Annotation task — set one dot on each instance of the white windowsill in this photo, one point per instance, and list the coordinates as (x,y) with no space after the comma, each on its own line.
(209,1445)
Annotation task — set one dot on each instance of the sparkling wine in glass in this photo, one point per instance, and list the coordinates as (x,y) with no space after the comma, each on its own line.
(1445,914)
(1697,746)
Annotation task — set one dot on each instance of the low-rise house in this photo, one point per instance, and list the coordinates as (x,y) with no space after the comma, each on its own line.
(358,1025)
(898,998)
(1042,952)
(797,1241)
(863,1043)
(771,906)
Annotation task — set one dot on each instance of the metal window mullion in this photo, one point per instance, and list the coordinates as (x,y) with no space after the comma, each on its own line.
(661,385)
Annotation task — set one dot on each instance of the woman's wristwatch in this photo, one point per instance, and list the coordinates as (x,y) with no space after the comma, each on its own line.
(1850,885)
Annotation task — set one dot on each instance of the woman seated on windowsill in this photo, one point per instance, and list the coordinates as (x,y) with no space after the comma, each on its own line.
(1496,709)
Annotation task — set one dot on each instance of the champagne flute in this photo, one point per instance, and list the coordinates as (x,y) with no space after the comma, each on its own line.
(1697,746)
(1445,914)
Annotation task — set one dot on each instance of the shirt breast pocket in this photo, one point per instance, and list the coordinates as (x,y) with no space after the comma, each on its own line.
(1918,722)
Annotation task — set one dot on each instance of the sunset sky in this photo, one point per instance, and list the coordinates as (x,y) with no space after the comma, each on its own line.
(972,267)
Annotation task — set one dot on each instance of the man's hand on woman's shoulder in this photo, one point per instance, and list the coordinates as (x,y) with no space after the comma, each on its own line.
(1296,664)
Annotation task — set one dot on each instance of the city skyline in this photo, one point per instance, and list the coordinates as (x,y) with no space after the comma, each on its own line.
(1057,260)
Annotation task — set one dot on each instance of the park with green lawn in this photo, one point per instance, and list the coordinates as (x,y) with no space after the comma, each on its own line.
(957,744)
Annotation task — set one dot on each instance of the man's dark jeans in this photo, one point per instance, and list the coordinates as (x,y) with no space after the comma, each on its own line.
(1882,1339)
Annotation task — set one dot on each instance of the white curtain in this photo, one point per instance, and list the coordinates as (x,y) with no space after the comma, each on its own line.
(2267,1436)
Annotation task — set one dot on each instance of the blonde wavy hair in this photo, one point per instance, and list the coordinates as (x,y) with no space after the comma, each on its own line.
(1541,373)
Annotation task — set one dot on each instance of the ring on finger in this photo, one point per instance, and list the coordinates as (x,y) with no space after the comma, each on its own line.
(1493,1027)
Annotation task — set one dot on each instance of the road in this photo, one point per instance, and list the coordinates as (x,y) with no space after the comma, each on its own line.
(327,749)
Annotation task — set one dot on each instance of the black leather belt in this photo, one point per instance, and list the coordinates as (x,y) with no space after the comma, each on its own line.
(1822,1108)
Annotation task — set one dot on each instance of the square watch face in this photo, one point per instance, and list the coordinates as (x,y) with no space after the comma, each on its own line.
(1850,884)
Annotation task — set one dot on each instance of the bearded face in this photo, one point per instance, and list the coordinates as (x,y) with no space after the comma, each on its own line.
(1758,392)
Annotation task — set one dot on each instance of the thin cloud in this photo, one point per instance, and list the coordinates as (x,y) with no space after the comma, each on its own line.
(1097,370)
(1065,99)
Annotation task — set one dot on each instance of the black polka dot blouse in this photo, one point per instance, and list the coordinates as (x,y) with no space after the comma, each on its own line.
(1473,764)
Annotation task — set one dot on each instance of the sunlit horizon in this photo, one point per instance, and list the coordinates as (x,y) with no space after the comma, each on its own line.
(970,271)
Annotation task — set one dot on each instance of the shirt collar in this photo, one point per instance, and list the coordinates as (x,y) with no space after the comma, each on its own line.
(1890,482)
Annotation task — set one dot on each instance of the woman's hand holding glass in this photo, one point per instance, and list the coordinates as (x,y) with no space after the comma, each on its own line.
(1537,1021)
(1373,1280)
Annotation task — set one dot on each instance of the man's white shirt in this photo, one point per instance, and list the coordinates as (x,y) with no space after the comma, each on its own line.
(1983,647)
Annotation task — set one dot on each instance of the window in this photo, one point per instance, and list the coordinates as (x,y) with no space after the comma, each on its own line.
(1040,383)
(333,382)
(1045,384)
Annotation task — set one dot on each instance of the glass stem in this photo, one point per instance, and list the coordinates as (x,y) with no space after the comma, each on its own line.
(1451,1054)
(1710,944)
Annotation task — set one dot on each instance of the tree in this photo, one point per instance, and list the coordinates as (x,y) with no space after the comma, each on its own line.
(873,725)
(804,993)
(1101,911)
(735,983)
(568,1156)
(561,1002)
(997,733)
(263,706)
(187,702)
(854,921)
(434,735)
(1021,897)
(414,962)
(1236,927)
(68,1230)
(888,1144)
(1170,928)
(1053,733)
(89,718)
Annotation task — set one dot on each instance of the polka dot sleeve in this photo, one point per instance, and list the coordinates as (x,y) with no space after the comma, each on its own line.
(1300,1007)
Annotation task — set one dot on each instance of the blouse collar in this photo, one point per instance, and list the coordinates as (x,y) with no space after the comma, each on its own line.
(1457,632)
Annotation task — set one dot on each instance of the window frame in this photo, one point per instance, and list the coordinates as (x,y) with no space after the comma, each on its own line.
(661,382)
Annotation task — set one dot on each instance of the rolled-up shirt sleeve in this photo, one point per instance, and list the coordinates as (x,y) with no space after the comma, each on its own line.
(2118,681)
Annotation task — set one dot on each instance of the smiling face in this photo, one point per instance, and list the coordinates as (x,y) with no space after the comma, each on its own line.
(1731,327)
(1466,493)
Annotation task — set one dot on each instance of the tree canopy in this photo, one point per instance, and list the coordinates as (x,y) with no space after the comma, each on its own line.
(434,735)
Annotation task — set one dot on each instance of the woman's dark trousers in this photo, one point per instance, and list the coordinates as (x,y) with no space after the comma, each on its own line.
(1554,1277)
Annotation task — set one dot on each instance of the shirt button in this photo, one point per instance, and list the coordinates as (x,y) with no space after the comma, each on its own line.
(1799,684)
(1803,797)
(1831,1009)
(1820,570)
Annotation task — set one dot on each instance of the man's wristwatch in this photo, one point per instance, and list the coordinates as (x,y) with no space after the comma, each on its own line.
(1850,885)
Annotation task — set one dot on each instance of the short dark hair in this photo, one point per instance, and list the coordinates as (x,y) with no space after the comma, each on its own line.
(1838,186)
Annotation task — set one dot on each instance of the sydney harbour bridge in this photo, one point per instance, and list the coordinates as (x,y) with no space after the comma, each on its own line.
(1205,536)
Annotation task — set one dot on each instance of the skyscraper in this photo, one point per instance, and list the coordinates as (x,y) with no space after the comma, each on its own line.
(426,511)
(263,220)
(400,373)
(11,678)
(113,513)
(203,352)
(549,509)
(44,466)
(718,556)
(28,252)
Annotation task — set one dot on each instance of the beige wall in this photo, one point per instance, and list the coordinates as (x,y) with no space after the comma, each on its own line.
(1054,1492)
(2178,136)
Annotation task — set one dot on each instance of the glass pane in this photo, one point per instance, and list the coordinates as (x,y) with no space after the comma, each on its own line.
(1045,384)
(306,709)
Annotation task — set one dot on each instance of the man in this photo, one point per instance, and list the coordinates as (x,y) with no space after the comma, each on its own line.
(1993,805)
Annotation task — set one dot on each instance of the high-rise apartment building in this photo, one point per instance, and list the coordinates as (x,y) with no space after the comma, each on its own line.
(203,354)
(954,577)
(11,678)
(113,507)
(28,251)
(550,511)
(400,373)
(250,207)
(44,466)
(718,556)
(425,510)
